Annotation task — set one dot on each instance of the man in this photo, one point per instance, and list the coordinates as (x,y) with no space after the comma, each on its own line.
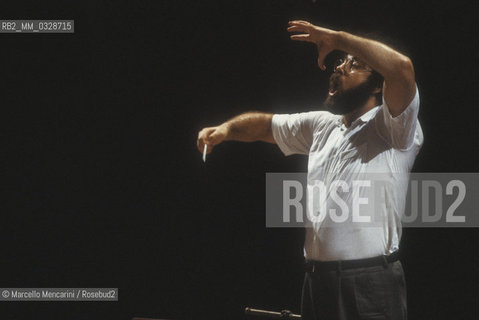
(352,272)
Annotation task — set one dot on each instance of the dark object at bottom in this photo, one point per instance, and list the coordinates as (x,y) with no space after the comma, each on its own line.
(284,314)
(146,319)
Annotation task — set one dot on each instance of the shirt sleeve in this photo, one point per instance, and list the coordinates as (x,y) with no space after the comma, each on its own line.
(399,131)
(293,133)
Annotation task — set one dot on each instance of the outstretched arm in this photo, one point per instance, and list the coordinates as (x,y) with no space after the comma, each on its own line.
(397,69)
(247,127)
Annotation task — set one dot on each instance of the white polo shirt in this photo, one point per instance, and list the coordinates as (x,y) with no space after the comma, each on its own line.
(374,143)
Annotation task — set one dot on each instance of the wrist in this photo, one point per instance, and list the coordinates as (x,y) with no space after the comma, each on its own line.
(226,129)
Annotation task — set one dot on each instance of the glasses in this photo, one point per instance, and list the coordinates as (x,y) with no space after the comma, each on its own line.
(350,65)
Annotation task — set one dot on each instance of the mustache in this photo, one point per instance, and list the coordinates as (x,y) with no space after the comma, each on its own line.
(334,78)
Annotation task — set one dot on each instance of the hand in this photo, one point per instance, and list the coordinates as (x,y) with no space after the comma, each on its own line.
(323,38)
(211,137)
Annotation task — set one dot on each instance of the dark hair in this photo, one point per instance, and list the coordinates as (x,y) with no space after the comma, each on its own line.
(377,81)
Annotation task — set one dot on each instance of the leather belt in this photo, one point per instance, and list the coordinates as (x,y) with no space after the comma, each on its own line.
(321,266)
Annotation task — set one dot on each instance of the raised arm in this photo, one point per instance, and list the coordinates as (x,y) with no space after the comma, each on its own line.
(247,127)
(397,69)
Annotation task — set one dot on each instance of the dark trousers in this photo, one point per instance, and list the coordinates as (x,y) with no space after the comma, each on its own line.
(377,292)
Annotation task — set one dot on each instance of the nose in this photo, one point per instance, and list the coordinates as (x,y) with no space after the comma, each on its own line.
(340,68)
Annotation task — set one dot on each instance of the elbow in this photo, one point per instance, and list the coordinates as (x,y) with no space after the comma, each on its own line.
(405,69)
(268,134)
(402,73)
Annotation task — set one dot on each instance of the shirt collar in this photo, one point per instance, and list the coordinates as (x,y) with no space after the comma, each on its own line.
(364,118)
(368,115)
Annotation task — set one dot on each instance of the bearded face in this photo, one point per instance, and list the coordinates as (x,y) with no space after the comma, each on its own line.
(350,86)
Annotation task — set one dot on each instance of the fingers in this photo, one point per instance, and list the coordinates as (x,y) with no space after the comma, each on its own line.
(313,34)
(301,37)
(201,145)
(322,53)
(299,23)
(203,138)
(324,49)
(298,28)
(210,137)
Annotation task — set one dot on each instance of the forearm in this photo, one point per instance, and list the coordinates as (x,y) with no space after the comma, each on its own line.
(249,127)
(399,80)
(385,60)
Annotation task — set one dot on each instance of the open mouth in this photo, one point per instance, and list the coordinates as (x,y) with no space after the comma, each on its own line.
(332,92)
(333,87)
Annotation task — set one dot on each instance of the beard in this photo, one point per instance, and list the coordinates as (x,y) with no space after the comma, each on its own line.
(346,101)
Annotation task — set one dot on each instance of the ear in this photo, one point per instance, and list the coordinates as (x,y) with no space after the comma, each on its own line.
(377,90)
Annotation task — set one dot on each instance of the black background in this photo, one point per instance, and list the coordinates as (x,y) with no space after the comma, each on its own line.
(103,185)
